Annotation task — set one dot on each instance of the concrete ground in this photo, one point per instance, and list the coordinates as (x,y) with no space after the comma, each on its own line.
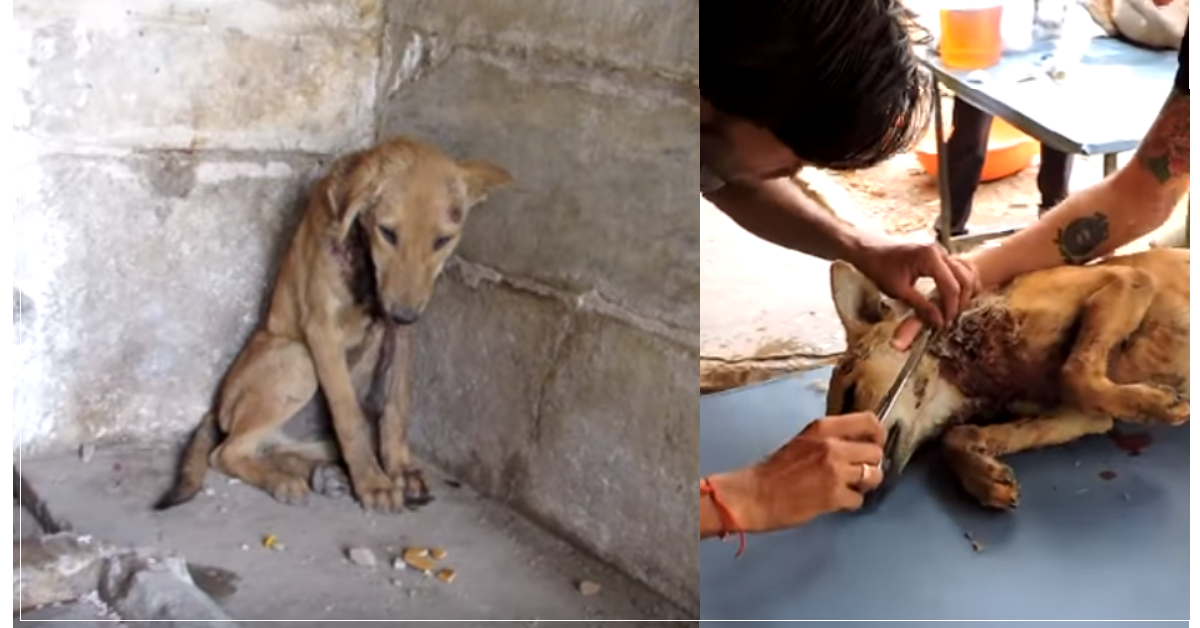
(506,567)
(760,300)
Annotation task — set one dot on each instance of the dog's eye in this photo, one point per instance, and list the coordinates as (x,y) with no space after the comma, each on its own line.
(441,242)
(388,234)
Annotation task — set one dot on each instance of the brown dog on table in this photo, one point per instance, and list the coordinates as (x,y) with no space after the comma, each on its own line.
(359,272)
(1065,351)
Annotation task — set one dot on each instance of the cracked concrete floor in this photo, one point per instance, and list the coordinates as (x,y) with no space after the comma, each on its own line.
(506,567)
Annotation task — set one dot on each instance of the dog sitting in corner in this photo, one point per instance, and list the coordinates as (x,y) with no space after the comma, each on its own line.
(1065,350)
(337,338)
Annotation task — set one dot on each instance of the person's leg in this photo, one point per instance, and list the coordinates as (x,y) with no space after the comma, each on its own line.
(1054,178)
(966,150)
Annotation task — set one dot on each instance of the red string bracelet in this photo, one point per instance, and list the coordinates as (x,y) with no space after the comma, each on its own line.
(728,521)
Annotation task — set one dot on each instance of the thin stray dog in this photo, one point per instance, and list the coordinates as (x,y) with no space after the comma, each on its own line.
(1066,350)
(359,272)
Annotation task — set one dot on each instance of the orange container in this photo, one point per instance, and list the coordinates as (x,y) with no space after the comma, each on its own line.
(1009,151)
(971,36)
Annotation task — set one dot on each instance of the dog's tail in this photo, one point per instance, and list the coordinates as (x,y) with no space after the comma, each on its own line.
(189,478)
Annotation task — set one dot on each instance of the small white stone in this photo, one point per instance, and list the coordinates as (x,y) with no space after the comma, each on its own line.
(209,491)
(361,556)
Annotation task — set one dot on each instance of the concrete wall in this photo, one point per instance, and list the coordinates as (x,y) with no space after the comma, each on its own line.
(166,148)
(576,301)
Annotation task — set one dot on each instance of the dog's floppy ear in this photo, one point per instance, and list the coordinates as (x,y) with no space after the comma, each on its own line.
(481,177)
(858,301)
(353,185)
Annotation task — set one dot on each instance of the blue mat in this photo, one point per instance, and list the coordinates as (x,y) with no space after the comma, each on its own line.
(1078,547)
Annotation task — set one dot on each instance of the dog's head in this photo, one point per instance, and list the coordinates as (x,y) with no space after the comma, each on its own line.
(871,364)
(412,202)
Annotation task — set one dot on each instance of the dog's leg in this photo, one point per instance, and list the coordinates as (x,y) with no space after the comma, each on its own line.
(374,489)
(396,359)
(1109,316)
(271,381)
(973,451)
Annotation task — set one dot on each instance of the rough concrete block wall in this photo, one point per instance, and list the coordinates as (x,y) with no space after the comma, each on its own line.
(164,146)
(557,364)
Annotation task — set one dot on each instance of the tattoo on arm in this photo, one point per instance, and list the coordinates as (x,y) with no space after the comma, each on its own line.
(1080,239)
(1164,151)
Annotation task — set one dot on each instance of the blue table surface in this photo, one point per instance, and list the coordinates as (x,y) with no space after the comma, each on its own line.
(1077,547)
(1104,106)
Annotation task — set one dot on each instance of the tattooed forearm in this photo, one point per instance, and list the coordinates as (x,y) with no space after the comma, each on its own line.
(1164,152)
(1080,239)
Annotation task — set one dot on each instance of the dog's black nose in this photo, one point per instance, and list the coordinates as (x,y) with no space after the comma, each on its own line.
(404,316)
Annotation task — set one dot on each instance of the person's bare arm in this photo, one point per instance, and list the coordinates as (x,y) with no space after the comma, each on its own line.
(1095,221)
(779,212)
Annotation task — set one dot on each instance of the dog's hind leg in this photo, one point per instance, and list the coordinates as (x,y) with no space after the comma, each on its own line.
(1110,315)
(272,380)
(973,451)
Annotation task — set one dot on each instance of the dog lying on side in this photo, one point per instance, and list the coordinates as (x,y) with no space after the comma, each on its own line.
(1066,350)
(359,272)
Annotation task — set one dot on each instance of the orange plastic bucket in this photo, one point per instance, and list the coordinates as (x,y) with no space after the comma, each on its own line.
(1009,151)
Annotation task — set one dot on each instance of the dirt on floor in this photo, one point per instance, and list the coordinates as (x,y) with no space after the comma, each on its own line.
(331,561)
(902,198)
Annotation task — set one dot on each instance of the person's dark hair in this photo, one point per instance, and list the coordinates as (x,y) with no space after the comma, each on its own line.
(837,81)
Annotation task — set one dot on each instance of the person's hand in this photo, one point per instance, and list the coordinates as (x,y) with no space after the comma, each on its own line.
(896,266)
(906,332)
(825,468)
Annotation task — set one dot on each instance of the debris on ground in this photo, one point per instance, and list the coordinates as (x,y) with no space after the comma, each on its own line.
(271,542)
(1107,474)
(417,559)
(588,588)
(446,575)
(1131,443)
(437,553)
(361,556)
(218,583)
(976,546)
(86,451)
(330,481)
(453,483)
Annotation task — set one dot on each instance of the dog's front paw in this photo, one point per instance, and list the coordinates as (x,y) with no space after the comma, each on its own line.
(416,490)
(988,480)
(379,493)
(1000,489)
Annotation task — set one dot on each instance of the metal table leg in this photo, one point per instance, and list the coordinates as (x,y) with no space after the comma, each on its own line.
(943,174)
